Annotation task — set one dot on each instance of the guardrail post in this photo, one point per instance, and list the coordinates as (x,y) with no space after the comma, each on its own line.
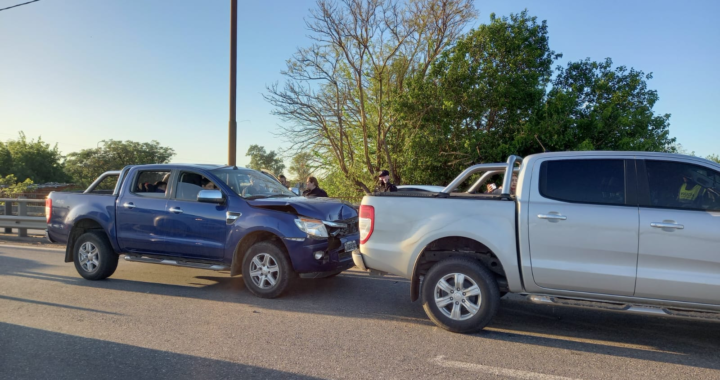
(22,211)
(8,212)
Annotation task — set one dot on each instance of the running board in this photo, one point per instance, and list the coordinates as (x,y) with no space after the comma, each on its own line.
(178,263)
(626,307)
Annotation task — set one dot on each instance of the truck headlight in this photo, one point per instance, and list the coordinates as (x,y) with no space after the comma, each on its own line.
(312,227)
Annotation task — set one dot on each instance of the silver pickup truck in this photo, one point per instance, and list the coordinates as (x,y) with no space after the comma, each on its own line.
(626,231)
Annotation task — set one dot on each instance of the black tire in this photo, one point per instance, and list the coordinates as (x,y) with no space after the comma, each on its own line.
(101,252)
(488,301)
(282,278)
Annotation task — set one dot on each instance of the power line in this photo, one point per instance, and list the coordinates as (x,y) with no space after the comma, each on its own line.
(17,5)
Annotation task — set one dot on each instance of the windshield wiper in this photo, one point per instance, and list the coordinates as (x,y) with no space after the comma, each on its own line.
(264,196)
(256,197)
(279,196)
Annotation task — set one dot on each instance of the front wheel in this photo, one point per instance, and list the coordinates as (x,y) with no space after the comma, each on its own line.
(266,270)
(460,295)
(94,257)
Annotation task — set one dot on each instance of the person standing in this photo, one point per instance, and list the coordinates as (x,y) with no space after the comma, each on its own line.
(283,180)
(313,189)
(384,184)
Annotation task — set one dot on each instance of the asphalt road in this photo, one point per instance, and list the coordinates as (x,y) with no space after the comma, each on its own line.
(161,322)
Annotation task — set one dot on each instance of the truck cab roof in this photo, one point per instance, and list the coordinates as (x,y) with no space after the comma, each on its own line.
(184,166)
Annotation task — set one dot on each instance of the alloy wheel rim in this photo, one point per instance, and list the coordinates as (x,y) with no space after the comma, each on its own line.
(89,257)
(264,271)
(458,296)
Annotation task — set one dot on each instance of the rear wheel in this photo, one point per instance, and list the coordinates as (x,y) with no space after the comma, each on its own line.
(267,272)
(460,295)
(94,257)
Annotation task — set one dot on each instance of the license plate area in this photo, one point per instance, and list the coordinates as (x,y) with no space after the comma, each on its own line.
(350,246)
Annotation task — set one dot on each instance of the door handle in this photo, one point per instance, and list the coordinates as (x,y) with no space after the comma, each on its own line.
(129,205)
(667,225)
(552,216)
(176,210)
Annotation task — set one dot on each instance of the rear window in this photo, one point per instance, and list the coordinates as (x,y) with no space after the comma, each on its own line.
(152,183)
(584,181)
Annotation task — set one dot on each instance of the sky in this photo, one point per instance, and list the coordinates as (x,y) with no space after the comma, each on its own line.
(79,71)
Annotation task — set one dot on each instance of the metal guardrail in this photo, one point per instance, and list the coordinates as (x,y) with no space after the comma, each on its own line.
(22,222)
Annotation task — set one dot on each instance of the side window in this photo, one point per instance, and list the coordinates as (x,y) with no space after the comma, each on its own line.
(152,183)
(106,186)
(190,184)
(681,185)
(584,181)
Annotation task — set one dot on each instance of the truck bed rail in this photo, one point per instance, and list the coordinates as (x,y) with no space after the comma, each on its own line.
(490,169)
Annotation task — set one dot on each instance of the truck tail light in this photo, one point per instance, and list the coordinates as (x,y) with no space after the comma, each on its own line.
(366,223)
(48,209)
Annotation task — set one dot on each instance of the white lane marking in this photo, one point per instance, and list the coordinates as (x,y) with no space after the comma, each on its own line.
(31,247)
(496,371)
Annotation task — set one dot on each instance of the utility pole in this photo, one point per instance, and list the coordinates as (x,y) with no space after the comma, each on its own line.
(232,125)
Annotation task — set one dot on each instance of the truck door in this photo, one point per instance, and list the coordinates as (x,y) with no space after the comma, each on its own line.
(196,230)
(583,225)
(141,212)
(679,256)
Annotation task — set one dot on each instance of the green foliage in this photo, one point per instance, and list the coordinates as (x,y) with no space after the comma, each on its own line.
(9,180)
(714,157)
(34,159)
(260,159)
(595,107)
(477,99)
(302,166)
(492,95)
(338,186)
(86,165)
(11,188)
(339,94)
(5,160)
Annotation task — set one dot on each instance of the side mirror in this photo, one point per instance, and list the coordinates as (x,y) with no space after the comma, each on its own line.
(211,196)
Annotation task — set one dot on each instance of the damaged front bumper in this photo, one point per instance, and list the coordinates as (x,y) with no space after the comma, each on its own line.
(320,256)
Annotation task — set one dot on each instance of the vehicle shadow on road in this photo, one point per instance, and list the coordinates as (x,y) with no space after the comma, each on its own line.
(661,339)
(351,294)
(356,295)
(71,357)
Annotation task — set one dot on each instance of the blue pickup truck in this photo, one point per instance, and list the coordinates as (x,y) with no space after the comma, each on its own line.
(204,216)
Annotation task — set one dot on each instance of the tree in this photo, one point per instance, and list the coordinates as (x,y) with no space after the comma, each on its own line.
(33,159)
(5,161)
(10,187)
(86,165)
(302,166)
(260,159)
(338,95)
(714,157)
(477,98)
(491,95)
(595,107)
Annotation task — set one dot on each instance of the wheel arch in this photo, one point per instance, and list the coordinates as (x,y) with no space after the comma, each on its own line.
(248,241)
(78,229)
(455,246)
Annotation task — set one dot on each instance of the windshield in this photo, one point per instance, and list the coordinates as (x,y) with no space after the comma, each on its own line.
(250,184)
